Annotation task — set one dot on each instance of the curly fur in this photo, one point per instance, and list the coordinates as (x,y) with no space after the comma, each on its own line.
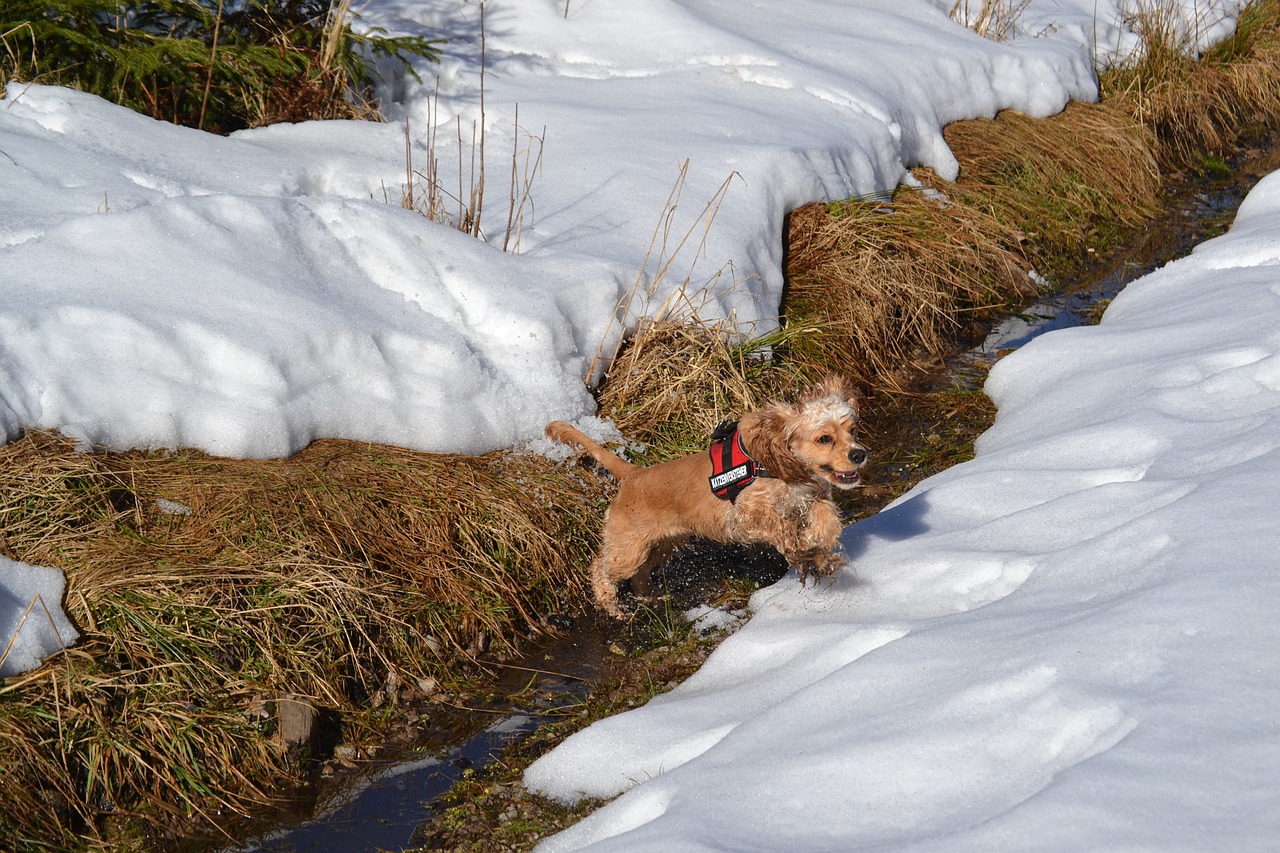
(808,448)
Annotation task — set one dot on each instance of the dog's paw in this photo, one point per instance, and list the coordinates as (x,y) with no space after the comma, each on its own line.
(606,596)
(817,564)
(610,606)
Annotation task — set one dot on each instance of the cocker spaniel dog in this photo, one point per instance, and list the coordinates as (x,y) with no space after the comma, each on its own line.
(766,479)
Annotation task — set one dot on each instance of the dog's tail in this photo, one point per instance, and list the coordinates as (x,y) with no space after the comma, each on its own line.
(614,464)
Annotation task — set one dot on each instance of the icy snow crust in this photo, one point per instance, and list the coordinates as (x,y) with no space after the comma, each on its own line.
(32,624)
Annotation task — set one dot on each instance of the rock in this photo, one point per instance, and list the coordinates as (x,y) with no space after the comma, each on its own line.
(295,721)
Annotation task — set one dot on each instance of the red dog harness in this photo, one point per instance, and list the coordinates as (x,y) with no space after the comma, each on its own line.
(732,470)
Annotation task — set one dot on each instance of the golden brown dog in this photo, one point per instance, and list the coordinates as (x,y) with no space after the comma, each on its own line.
(788,459)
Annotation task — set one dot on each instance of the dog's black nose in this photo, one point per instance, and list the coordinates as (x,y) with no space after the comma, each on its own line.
(857,456)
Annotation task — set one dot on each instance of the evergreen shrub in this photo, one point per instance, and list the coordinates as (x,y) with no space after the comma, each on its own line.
(219,65)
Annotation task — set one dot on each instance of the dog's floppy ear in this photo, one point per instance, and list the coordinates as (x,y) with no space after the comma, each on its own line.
(766,435)
(835,385)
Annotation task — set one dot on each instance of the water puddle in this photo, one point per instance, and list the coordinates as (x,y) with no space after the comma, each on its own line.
(383,805)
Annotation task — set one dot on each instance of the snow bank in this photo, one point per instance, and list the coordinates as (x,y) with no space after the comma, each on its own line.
(161,287)
(246,295)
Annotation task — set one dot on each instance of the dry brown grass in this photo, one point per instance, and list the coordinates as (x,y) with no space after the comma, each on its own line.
(993,19)
(875,287)
(1199,107)
(1061,184)
(893,284)
(345,575)
(673,381)
(888,284)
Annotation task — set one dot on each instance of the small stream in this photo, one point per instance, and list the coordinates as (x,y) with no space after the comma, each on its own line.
(1199,209)
(381,809)
(382,806)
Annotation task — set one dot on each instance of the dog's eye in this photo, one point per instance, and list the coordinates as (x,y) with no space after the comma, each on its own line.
(825,439)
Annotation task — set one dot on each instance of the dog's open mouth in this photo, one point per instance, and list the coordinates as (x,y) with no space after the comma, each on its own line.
(844,479)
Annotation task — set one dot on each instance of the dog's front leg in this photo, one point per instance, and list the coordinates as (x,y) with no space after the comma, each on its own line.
(820,537)
(823,527)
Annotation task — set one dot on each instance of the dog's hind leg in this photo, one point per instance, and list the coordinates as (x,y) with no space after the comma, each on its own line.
(626,557)
(603,587)
(659,553)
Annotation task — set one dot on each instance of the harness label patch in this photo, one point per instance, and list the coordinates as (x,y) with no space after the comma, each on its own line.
(728,478)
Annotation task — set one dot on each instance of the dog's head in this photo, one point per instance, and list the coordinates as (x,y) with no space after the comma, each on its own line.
(815,439)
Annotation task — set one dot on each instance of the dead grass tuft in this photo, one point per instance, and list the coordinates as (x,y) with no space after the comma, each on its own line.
(875,287)
(673,381)
(1059,185)
(993,19)
(207,588)
(892,283)
(1196,107)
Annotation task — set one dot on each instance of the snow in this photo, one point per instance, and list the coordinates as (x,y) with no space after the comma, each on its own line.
(246,295)
(32,624)
(1067,643)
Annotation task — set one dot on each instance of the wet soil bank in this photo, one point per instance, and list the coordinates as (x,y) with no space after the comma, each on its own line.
(428,786)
